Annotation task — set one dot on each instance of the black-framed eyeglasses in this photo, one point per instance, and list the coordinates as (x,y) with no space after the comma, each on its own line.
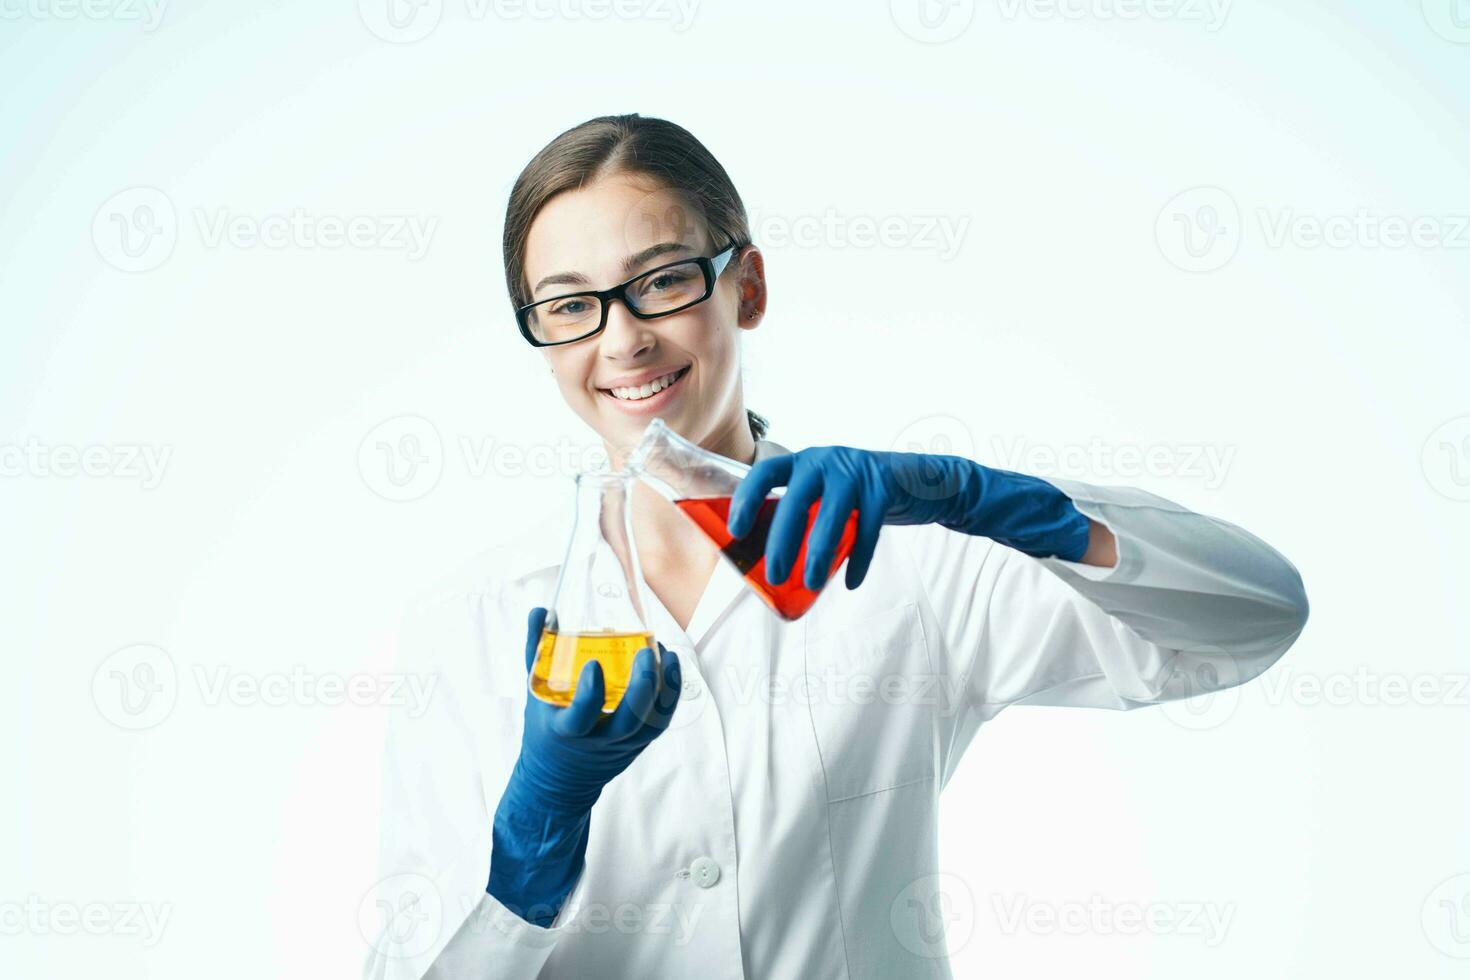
(657,292)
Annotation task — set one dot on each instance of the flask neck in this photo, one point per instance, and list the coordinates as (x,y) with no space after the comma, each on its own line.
(678,469)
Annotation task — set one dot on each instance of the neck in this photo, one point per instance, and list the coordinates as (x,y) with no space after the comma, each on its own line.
(732,440)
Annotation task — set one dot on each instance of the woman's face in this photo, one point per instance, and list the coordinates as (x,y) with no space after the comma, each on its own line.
(604,233)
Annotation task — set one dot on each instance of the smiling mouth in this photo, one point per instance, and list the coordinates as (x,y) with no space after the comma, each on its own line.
(648,390)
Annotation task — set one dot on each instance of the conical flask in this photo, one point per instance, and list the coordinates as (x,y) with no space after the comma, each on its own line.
(597,612)
(700,483)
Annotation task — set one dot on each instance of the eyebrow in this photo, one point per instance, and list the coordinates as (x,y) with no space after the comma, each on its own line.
(629,264)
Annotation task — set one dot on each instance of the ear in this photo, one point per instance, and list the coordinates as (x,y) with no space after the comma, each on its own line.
(752,288)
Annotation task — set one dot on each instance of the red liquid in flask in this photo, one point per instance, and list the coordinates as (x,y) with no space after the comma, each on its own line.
(791,598)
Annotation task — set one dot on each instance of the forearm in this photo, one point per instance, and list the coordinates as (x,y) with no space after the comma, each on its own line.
(1102,547)
(1022,512)
(536,857)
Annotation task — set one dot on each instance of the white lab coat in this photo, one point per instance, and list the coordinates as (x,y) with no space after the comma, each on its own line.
(785,826)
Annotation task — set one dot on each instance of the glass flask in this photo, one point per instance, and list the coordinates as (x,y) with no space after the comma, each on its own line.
(597,612)
(700,483)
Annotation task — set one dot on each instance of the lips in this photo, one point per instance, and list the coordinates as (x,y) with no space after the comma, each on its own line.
(649,386)
(655,400)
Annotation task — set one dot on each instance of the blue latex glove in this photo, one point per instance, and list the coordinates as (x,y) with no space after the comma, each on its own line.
(567,755)
(1022,512)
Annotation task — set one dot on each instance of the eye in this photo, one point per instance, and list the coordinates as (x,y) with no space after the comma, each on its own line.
(668,278)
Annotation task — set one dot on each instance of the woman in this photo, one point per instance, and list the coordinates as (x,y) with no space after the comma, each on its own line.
(782,822)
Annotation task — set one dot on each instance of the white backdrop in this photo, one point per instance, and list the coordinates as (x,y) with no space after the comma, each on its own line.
(261,384)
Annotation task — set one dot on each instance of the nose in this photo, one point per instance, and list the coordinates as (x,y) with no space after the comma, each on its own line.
(625,337)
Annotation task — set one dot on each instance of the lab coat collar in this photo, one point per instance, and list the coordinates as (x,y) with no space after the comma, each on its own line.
(544,544)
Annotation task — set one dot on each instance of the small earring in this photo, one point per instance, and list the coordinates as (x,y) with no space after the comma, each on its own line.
(751,317)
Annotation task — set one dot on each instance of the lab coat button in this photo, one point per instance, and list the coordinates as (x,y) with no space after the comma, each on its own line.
(704,872)
(692,688)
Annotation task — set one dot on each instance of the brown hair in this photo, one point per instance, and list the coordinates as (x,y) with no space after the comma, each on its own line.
(666,152)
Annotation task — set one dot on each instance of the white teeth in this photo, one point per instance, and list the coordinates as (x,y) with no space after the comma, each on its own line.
(644,391)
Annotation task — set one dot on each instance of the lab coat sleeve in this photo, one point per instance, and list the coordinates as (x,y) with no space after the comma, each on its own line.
(1193,604)
(435,918)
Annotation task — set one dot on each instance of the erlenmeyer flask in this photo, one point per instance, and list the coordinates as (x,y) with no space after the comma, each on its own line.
(597,612)
(700,483)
